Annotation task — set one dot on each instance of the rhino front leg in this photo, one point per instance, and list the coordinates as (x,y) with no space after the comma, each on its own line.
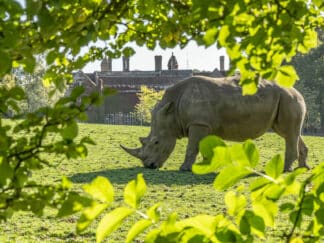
(196,133)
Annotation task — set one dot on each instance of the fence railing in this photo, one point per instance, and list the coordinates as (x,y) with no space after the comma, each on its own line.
(121,118)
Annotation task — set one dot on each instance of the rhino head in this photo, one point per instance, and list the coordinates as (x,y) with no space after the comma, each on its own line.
(159,144)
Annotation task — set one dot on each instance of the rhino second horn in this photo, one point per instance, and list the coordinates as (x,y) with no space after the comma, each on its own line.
(134,152)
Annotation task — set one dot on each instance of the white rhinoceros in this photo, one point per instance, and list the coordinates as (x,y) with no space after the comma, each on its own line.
(200,106)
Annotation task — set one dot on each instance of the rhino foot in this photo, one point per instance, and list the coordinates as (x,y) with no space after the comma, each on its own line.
(290,169)
(304,166)
(287,170)
(185,167)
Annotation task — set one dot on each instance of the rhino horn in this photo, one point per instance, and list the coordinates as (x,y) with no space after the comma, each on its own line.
(143,140)
(134,152)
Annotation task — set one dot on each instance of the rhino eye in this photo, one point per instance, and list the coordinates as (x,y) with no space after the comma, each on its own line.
(156,142)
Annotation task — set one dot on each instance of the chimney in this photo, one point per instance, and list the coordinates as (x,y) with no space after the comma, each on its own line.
(158,63)
(106,65)
(125,64)
(222,63)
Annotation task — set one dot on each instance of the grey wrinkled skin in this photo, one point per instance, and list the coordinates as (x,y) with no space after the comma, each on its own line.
(201,106)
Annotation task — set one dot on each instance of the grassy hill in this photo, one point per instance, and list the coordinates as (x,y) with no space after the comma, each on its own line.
(183,192)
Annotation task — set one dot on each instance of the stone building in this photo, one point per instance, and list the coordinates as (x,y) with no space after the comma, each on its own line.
(128,83)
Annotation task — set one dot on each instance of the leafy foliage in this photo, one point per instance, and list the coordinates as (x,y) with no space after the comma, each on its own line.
(251,211)
(37,95)
(310,69)
(26,145)
(259,37)
(147,100)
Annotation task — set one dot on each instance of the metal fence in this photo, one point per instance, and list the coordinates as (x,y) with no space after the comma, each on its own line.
(121,118)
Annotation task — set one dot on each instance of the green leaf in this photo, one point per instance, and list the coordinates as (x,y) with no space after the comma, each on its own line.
(206,224)
(17,93)
(128,51)
(275,167)
(215,154)
(251,152)
(293,188)
(70,130)
(320,216)
(244,225)
(291,177)
(310,39)
(210,36)
(273,191)
(249,86)
(152,236)
(77,92)
(296,239)
(134,191)
(229,176)
(257,225)
(73,203)
(318,3)
(66,183)
(295,218)
(101,189)
(265,209)
(308,205)
(221,157)
(224,33)
(51,56)
(169,226)
(286,76)
(259,184)
(207,145)
(250,222)
(111,222)
(287,207)
(226,235)
(13,105)
(154,212)
(87,140)
(89,214)
(32,7)
(235,203)
(5,62)
(6,172)
(137,228)
(242,155)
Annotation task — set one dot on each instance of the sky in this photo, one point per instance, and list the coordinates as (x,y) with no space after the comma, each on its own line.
(191,57)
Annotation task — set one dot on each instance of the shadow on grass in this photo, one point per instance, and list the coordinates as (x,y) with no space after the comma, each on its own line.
(166,177)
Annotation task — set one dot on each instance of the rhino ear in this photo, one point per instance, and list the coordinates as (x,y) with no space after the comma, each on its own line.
(167,108)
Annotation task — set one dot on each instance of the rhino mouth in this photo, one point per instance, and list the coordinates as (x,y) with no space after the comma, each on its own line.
(151,165)
(137,152)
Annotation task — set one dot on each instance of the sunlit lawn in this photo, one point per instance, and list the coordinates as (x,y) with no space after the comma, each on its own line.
(180,192)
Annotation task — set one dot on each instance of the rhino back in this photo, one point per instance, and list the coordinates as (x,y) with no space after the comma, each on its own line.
(219,104)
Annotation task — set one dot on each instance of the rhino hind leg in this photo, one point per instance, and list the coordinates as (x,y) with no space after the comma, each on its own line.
(302,153)
(196,133)
(291,153)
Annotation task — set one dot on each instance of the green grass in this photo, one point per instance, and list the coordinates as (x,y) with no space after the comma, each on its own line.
(180,192)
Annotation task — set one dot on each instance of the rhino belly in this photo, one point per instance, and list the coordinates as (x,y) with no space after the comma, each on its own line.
(241,122)
(243,127)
